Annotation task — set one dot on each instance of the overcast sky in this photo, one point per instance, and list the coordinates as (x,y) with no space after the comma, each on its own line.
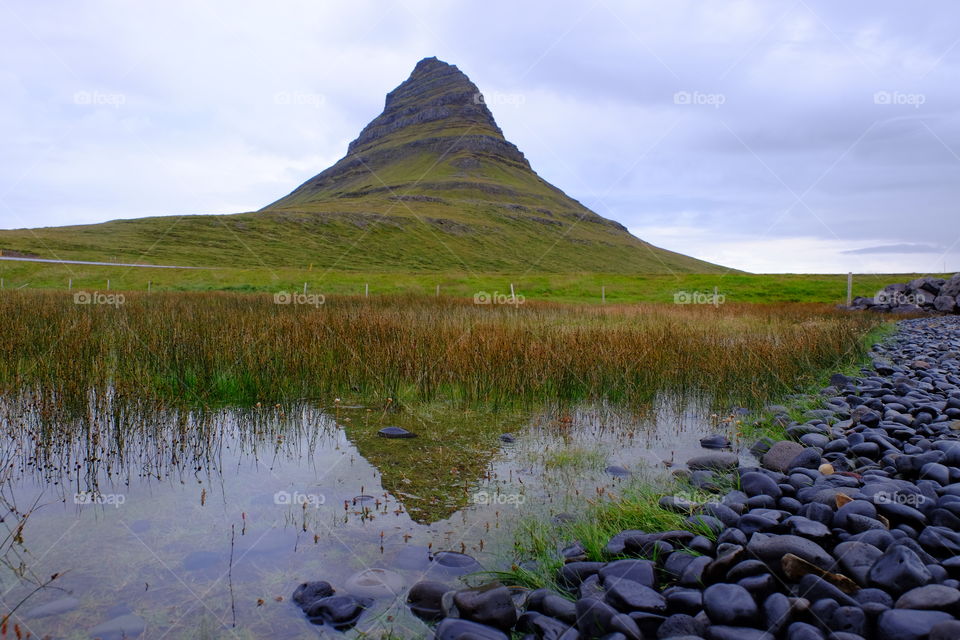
(770,136)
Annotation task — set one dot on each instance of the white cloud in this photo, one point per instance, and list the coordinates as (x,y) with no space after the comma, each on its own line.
(199,128)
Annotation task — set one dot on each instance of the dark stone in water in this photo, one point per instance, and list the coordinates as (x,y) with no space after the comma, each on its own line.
(507,437)
(720,460)
(307,592)
(340,612)
(395,432)
(618,471)
(715,441)
(460,562)
(425,600)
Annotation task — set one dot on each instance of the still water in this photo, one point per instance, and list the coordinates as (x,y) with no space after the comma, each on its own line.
(166,524)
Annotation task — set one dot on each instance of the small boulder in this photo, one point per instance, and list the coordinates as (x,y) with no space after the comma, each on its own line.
(307,592)
(492,607)
(425,598)
(719,460)
(898,570)
(781,454)
(909,624)
(458,629)
(729,604)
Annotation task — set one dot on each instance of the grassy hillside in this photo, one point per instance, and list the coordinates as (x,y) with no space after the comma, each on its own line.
(365,234)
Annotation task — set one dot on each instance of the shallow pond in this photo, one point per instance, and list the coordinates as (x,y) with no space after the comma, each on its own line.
(185,525)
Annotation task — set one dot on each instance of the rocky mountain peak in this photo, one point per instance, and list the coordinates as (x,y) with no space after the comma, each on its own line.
(437,97)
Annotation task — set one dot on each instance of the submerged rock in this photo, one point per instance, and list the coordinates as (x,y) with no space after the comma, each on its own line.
(307,592)
(375,583)
(720,460)
(454,561)
(125,626)
(339,612)
(618,471)
(55,608)
(715,441)
(426,600)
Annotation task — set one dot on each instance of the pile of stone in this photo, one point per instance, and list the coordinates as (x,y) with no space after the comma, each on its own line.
(922,294)
(850,531)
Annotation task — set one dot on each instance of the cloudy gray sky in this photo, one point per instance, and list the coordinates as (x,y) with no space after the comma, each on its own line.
(771,136)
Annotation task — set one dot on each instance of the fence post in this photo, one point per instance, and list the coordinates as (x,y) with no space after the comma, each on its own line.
(438,291)
(849,288)
(108,284)
(366,290)
(70,284)
(512,296)
(304,288)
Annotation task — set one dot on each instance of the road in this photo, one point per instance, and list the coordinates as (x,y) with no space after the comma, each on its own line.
(101,264)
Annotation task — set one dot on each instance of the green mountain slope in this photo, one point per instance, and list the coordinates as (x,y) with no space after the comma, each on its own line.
(431,184)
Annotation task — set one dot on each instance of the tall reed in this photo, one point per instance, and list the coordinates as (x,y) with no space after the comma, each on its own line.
(217,348)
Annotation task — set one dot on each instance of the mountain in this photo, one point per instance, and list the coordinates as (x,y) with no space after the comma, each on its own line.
(431,184)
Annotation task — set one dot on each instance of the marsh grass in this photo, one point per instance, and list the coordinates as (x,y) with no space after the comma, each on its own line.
(573,460)
(227,348)
(536,558)
(764,423)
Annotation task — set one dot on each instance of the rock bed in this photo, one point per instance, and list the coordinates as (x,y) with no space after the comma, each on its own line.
(850,531)
(922,294)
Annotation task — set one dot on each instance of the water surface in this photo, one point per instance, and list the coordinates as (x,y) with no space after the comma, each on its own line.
(201,524)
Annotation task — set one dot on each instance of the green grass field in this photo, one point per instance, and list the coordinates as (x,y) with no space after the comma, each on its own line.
(583,287)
